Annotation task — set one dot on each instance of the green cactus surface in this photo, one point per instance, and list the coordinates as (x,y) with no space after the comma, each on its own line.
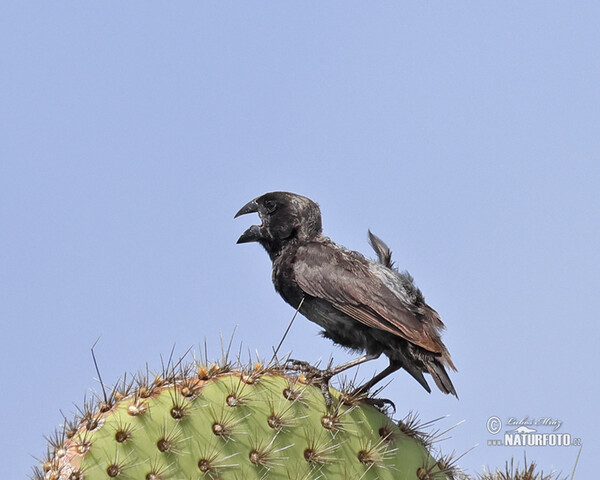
(218,422)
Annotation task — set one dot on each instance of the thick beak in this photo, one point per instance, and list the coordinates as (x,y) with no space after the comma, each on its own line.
(250,207)
(251,235)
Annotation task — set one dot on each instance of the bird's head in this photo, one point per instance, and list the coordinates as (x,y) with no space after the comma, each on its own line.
(285,217)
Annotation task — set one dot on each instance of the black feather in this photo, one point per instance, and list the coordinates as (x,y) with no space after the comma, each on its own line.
(384,254)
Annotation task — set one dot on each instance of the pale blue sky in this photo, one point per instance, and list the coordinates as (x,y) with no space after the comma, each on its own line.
(465,134)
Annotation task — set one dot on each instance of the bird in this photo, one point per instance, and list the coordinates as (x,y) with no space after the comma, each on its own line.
(364,305)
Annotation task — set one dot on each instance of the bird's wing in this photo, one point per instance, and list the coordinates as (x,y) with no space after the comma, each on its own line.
(345,279)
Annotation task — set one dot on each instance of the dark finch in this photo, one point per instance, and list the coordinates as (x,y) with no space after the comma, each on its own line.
(361,304)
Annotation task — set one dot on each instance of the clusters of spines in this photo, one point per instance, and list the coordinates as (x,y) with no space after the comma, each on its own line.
(263,421)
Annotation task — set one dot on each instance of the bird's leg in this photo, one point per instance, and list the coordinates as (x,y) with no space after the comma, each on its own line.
(328,373)
(352,363)
(377,378)
(324,376)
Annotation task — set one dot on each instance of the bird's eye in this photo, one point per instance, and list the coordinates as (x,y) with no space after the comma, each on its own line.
(270,206)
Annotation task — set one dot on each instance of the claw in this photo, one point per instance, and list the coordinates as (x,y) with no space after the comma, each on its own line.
(380,403)
(322,377)
(326,393)
(301,366)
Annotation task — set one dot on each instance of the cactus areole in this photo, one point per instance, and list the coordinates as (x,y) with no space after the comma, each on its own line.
(220,423)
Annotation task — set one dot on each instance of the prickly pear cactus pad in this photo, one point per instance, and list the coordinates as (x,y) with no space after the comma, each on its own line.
(221,423)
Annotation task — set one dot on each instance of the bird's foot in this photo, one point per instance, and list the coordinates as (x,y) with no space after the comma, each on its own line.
(300,366)
(380,403)
(314,374)
(326,393)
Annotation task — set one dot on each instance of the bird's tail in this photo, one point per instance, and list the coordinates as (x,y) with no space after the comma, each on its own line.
(441,378)
(419,377)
